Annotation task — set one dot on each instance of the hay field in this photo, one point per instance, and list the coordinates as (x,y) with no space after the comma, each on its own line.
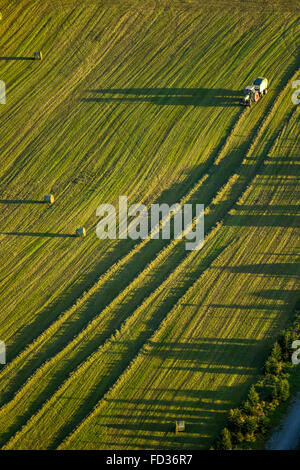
(109,342)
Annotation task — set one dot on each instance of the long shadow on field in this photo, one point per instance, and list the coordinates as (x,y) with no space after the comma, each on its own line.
(281,209)
(167,96)
(266,269)
(17,58)
(39,234)
(268,215)
(213,355)
(153,419)
(280,168)
(21,201)
(204,410)
(289,296)
(264,220)
(218,175)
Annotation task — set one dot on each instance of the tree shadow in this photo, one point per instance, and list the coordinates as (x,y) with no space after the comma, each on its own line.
(153,420)
(167,96)
(286,295)
(264,220)
(192,357)
(291,208)
(267,269)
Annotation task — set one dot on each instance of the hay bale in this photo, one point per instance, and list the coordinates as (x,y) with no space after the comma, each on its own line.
(80,232)
(180,426)
(38,55)
(49,198)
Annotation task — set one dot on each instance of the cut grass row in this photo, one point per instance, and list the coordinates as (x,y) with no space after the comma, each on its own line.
(44,268)
(213,343)
(27,288)
(99,373)
(72,317)
(42,159)
(209,190)
(36,155)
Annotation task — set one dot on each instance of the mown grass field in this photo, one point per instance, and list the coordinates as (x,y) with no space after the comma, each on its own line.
(109,342)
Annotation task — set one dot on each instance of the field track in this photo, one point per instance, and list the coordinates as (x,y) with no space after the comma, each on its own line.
(110,342)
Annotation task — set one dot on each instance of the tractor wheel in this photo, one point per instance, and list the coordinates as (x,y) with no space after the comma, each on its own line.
(265,91)
(256,97)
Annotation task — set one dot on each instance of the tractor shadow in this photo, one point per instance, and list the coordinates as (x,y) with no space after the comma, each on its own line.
(167,96)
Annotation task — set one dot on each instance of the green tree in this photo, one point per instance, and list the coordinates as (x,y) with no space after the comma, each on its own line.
(281,390)
(236,419)
(286,342)
(250,424)
(264,424)
(273,366)
(253,396)
(276,352)
(225,442)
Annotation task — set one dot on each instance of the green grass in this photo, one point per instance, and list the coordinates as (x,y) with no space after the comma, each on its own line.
(110,342)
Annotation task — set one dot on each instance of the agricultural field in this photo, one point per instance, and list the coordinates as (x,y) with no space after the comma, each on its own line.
(109,342)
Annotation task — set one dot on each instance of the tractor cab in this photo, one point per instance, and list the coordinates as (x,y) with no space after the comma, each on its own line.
(249,94)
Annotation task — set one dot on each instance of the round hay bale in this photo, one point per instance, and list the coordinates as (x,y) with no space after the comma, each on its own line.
(80,232)
(49,198)
(38,55)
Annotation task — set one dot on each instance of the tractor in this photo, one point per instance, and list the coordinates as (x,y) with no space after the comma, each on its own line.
(253,92)
(250,94)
